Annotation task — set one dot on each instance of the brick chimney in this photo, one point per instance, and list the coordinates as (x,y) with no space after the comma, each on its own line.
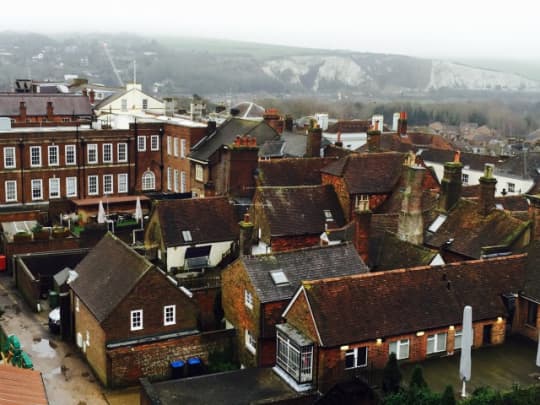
(339,143)
(92,96)
(402,124)
(272,118)
(246,235)
(50,111)
(411,223)
(240,164)
(487,191)
(314,140)
(451,184)
(22,111)
(362,227)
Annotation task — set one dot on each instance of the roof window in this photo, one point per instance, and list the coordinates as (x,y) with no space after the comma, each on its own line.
(279,277)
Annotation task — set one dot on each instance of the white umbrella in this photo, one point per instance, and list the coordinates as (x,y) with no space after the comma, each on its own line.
(138,211)
(538,352)
(101,213)
(466,344)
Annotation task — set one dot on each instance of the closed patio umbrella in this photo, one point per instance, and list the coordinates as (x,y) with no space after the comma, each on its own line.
(138,211)
(538,352)
(101,213)
(466,344)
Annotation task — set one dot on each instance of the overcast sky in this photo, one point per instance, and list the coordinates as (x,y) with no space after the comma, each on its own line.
(456,28)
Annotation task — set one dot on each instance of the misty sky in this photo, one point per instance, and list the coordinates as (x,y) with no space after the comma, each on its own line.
(456,28)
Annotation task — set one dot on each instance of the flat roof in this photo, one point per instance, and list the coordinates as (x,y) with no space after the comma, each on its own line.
(110,200)
(49,129)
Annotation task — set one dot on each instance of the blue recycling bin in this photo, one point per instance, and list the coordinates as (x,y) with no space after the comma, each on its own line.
(178,369)
(195,366)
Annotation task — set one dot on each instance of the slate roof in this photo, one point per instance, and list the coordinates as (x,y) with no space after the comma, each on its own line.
(368,173)
(292,171)
(36,104)
(304,264)
(403,301)
(299,210)
(107,274)
(272,148)
(470,231)
(472,161)
(207,219)
(226,133)
(295,143)
(515,166)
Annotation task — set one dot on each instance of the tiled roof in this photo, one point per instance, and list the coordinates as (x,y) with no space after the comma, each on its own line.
(515,166)
(292,171)
(272,148)
(107,274)
(384,304)
(413,141)
(226,133)
(472,161)
(305,264)
(469,231)
(368,173)
(36,104)
(299,210)
(207,220)
(21,386)
(349,127)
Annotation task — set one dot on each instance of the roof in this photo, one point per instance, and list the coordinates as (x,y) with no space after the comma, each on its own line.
(36,104)
(248,109)
(299,210)
(21,386)
(402,301)
(107,274)
(469,231)
(368,173)
(292,171)
(527,166)
(470,161)
(295,143)
(200,217)
(413,141)
(349,127)
(226,133)
(304,264)
(272,148)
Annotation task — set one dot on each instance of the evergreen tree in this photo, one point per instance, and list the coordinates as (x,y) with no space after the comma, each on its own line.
(448,397)
(417,379)
(391,379)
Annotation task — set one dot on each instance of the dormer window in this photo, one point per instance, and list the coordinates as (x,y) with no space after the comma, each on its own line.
(328,216)
(362,202)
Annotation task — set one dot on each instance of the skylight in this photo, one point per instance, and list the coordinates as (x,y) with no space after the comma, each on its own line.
(187,236)
(279,277)
(434,227)
(328,215)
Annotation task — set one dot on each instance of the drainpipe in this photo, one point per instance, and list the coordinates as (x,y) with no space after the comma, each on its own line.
(161,165)
(135,134)
(21,154)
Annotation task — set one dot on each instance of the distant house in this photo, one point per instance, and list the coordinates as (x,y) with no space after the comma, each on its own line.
(124,309)
(193,234)
(256,290)
(130,101)
(338,328)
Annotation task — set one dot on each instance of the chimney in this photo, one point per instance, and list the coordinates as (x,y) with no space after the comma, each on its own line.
(92,96)
(338,141)
(451,184)
(246,235)
(411,223)
(289,123)
(487,191)
(50,110)
(402,124)
(374,139)
(362,225)
(534,214)
(272,118)
(211,127)
(22,111)
(314,140)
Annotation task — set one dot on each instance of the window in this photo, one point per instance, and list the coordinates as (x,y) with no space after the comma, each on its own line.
(136,319)
(175,146)
(148,180)
(54,188)
(436,343)
(279,277)
(154,142)
(70,155)
(169,178)
(465,178)
(182,148)
(124,104)
(11,190)
(294,360)
(511,188)
(71,186)
(108,184)
(53,155)
(176,181)
(251,343)
(92,185)
(35,156)
(400,348)
(9,158)
(457,339)
(107,153)
(169,144)
(37,189)
(123,183)
(169,315)
(182,182)
(355,358)
(199,173)
(362,202)
(92,153)
(122,152)
(145,103)
(532,312)
(141,143)
(248,299)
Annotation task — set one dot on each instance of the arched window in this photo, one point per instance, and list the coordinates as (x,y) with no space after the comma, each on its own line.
(148,181)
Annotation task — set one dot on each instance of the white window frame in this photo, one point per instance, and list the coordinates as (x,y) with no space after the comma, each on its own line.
(38,156)
(110,179)
(169,145)
(248,299)
(55,155)
(9,154)
(154,142)
(358,362)
(175,146)
(148,181)
(70,150)
(176,182)
(182,148)
(296,361)
(438,341)
(54,183)
(121,151)
(401,348)
(104,147)
(7,191)
(458,336)
(141,143)
(169,178)
(169,315)
(136,320)
(71,186)
(123,184)
(250,342)
(36,184)
(183,181)
(199,172)
(92,148)
(464,178)
(511,187)
(144,104)
(96,183)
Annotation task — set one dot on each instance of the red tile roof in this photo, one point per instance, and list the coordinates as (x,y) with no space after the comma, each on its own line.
(21,387)
(292,172)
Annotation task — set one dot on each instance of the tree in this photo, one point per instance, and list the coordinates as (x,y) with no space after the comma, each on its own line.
(391,379)
(448,397)
(417,379)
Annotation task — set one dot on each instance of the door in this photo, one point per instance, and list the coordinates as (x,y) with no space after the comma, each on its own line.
(486,340)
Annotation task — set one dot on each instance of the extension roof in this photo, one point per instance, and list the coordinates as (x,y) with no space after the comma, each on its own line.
(36,104)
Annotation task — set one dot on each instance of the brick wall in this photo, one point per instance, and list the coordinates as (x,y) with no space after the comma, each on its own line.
(206,299)
(27,284)
(128,364)
(299,316)
(342,193)
(520,324)
(34,246)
